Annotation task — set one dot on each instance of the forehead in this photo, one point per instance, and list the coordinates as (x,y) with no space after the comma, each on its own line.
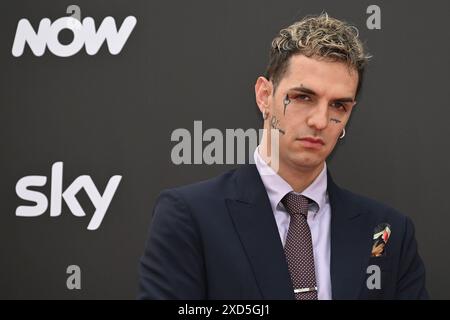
(324,77)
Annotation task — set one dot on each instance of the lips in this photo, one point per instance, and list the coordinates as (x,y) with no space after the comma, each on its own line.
(313,140)
(311,143)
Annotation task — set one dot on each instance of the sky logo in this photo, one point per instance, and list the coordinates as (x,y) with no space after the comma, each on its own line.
(101,202)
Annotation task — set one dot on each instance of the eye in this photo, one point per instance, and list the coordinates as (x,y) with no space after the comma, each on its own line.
(338,105)
(303,97)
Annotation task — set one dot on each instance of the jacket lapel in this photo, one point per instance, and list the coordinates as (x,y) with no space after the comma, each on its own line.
(255,223)
(350,243)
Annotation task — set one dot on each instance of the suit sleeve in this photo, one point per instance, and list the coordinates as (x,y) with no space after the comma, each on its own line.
(172,264)
(411,280)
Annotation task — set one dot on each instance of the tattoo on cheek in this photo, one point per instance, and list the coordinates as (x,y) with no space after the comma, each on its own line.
(335,120)
(286,101)
(274,123)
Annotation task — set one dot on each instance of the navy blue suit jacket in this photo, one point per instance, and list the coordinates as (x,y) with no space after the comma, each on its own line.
(218,239)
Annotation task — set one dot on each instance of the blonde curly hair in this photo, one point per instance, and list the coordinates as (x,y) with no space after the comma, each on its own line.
(321,37)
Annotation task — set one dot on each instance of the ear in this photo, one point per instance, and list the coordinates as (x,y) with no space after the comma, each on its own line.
(263,90)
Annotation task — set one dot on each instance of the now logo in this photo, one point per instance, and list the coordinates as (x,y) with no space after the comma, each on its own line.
(84,34)
(100,202)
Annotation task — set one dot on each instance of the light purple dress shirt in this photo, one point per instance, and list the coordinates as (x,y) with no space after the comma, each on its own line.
(319,217)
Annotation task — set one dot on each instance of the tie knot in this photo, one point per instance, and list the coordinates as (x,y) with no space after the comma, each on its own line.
(296,203)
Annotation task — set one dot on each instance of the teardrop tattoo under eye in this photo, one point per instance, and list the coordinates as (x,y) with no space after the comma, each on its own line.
(286,101)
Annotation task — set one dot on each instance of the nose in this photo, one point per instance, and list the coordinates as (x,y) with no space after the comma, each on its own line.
(318,118)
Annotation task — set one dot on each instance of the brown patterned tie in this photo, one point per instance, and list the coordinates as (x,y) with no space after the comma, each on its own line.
(299,249)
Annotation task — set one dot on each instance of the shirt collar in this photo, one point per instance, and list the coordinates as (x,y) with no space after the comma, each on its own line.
(277,187)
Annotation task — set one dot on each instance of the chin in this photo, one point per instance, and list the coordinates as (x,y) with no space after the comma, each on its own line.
(305,161)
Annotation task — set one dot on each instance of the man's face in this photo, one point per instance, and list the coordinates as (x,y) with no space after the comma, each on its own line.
(314,99)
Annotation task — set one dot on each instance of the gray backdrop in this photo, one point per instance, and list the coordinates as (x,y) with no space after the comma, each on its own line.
(105,115)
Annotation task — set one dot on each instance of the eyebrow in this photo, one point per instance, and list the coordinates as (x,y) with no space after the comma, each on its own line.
(304,89)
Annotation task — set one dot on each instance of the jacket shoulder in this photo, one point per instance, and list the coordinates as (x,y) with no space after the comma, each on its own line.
(374,207)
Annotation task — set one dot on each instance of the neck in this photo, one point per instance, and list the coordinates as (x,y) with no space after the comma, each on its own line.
(299,178)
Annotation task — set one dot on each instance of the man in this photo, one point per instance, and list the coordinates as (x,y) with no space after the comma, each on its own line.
(281,228)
